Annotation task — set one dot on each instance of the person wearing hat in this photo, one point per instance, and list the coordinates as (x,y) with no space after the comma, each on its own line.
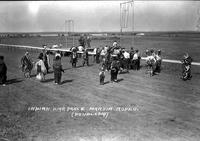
(186,67)
(57,67)
(158,61)
(85,57)
(46,59)
(98,55)
(40,68)
(74,58)
(114,69)
(26,65)
(3,71)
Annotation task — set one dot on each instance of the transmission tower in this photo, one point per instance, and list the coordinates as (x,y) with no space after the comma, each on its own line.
(125,9)
(198,20)
(69,30)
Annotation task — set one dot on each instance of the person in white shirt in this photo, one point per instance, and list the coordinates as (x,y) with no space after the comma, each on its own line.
(80,48)
(126,60)
(103,53)
(134,60)
(115,44)
(151,62)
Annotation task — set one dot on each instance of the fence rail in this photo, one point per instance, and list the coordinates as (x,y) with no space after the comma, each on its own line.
(91,53)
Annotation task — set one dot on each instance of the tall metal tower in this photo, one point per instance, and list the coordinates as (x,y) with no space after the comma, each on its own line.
(198,20)
(69,30)
(125,9)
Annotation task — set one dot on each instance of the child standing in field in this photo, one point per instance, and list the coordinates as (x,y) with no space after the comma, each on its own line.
(3,71)
(57,67)
(102,76)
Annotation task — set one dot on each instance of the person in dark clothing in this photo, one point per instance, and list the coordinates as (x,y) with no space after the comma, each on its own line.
(114,70)
(26,65)
(108,61)
(82,41)
(57,67)
(74,58)
(46,60)
(85,57)
(88,40)
(102,76)
(3,71)
(98,56)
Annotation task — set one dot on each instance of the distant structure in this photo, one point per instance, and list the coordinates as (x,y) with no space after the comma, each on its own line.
(69,31)
(125,9)
(198,20)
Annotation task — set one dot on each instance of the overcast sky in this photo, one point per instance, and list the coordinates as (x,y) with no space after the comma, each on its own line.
(30,16)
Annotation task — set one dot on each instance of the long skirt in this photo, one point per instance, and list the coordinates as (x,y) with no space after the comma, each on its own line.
(57,77)
(40,76)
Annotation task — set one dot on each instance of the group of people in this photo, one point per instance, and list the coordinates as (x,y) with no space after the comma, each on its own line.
(42,66)
(153,61)
(117,60)
(114,59)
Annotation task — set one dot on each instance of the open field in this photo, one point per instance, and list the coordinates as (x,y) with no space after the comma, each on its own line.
(164,108)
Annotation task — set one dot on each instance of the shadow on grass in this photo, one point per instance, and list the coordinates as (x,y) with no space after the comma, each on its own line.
(66,81)
(48,80)
(106,82)
(119,80)
(12,81)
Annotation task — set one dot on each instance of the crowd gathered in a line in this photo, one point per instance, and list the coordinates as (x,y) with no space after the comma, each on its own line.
(113,59)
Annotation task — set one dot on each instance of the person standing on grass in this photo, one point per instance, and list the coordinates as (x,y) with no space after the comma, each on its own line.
(114,69)
(126,60)
(186,66)
(46,59)
(85,57)
(158,61)
(138,60)
(102,76)
(74,57)
(3,71)
(26,65)
(131,57)
(57,67)
(135,60)
(40,68)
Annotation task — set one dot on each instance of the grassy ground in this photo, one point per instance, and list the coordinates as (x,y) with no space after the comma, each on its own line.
(165,108)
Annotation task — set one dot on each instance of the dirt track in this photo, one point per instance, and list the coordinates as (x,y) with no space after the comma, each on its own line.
(165,108)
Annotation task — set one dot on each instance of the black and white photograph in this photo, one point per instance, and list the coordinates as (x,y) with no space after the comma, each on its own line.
(125,70)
